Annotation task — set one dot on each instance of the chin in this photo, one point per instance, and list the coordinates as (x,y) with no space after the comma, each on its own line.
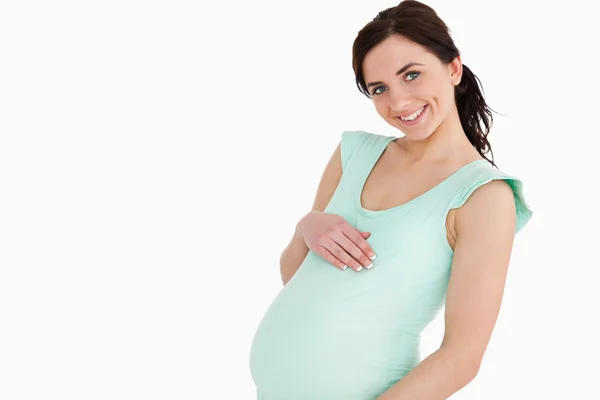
(416,136)
(412,135)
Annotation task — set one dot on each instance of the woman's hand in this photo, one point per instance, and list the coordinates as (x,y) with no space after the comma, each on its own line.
(334,239)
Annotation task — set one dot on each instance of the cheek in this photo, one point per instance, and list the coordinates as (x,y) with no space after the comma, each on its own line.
(438,98)
(381,106)
(446,96)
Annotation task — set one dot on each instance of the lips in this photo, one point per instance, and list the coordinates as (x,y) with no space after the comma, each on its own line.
(408,114)
(417,120)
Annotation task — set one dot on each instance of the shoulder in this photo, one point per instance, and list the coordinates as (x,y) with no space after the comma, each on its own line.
(485,191)
(493,201)
(353,140)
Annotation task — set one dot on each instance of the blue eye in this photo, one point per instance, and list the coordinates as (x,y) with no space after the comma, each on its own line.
(376,92)
(413,73)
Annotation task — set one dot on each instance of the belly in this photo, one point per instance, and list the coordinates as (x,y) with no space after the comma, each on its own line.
(340,334)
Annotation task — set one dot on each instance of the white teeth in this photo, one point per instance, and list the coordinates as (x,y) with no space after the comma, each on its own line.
(413,116)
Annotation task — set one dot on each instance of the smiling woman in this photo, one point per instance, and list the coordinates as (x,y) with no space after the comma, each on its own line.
(441,220)
(424,92)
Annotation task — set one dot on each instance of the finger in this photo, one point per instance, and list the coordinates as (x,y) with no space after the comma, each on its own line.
(329,257)
(351,248)
(359,241)
(341,254)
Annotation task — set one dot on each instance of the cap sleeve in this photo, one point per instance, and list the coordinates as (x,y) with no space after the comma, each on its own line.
(350,142)
(488,174)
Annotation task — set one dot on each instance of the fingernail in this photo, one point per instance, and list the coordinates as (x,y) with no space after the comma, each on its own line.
(370,266)
(373,257)
(344,267)
(359,268)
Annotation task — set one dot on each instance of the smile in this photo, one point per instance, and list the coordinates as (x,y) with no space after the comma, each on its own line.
(415,117)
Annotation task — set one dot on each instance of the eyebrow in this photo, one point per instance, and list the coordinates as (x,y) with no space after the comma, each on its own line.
(401,70)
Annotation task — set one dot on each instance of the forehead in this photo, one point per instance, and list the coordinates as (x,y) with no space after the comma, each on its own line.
(392,54)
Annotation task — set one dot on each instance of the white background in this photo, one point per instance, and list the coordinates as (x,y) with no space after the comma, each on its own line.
(156,156)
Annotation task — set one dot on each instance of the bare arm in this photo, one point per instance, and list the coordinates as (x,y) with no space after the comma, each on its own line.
(485,228)
(296,251)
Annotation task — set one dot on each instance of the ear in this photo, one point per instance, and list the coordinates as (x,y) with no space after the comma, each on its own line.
(455,69)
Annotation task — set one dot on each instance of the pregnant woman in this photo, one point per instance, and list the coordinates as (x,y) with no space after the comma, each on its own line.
(400,227)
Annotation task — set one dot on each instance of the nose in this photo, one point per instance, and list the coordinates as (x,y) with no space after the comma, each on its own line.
(399,100)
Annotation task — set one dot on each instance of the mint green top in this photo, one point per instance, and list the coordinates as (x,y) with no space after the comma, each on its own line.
(332,334)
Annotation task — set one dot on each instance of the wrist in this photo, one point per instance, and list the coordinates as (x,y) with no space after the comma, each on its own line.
(299,232)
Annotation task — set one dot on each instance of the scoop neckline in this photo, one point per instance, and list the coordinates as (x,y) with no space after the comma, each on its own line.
(373,213)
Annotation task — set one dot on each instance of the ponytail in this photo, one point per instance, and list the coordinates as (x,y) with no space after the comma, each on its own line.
(472,109)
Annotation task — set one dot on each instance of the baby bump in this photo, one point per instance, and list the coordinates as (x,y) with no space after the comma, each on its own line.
(326,336)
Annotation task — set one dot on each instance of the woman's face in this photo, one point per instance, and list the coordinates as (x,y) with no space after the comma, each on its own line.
(399,89)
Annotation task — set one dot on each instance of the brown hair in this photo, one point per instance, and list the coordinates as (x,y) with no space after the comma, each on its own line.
(420,24)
